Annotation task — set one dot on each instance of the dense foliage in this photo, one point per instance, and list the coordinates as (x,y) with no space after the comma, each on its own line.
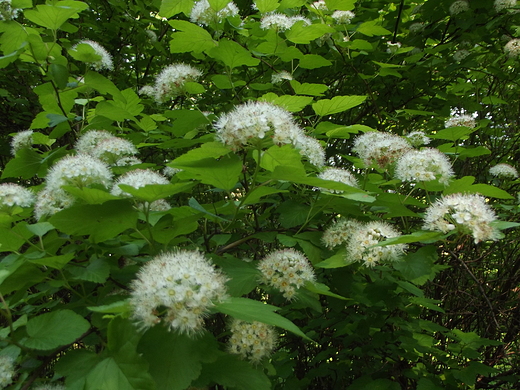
(290,195)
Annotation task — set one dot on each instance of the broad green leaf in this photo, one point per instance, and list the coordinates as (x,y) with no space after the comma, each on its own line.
(243,277)
(53,16)
(90,195)
(102,84)
(194,88)
(207,150)
(190,37)
(153,192)
(171,8)
(101,222)
(97,271)
(84,53)
(489,190)
(322,289)
(360,44)
(193,203)
(112,308)
(11,239)
(40,228)
(57,262)
(25,165)
(453,133)
(300,33)
(250,310)
(428,303)
(223,173)
(313,61)
(419,236)
(474,151)
(51,330)
(493,100)
(60,75)
(217,5)
(21,4)
(459,185)
(284,155)
(266,5)
(259,192)
(233,373)
(419,267)
(337,104)
(185,121)
(20,276)
(75,365)
(336,261)
(176,359)
(502,225)
(341,5)
(289,102)
(109,110)
(372,28)
(308,89)
(232,54)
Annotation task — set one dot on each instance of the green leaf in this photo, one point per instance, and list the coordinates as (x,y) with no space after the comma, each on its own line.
(250,310)
(459,185)
(102,84)
(419,267)
(453,133)
(336,261)
(101,222)
(372,28)
(489,190)
(244,276)
(60,75)
(153,192)
(266,5)
(259,192)
(300,33)
(428,303)
(193,203)
(322,289)
(57,262)
(208,150)
(493,100)
(171,8)
(340,5)
(176,359)
(337,104)
(40,228)
(51,330)
(232,54)
(194,88)
(25,165)
(308,89)
(190,37)
(11,239)
(223,173)
(112,308)
(75,365)
(313,61)
(90,195)
(289,102)
(53,16)
(419,236)
(97,271)
(285,156)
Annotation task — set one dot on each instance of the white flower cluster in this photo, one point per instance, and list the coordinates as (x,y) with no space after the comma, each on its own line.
(21,140)
(340,175)
(320,5)
(252,340)
(281,22)
(177,287)
(424,165)
(501,5)
(170,172)
(7,12)
(6,370)
(277,78)
(361,242)
(12,194)
(203,13)
(461,120)
(109,149)
(339,232)
(504,170)
(171,82)
(286,270)
(105,62)
(417,138)
(252,121)
(79,171)
(512,48)
(343,17)
(468,212)
(381,149)
(458,7)
(392,47)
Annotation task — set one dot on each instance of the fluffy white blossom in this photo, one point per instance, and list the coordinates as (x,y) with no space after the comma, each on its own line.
(12,194)
(170,82)
(7,12)
(251,122)
(113,149)
(365,236)
(105,62)
(343,17)
(501,5)
(158,205)
(87,142)
(392,47)
(137,178)
(6,370)
(281,22)
(320,5)
(512,48)
(417,138)
(339,232)
(79,171)
(178,288)
(49,201)
(170,172)
(147,90)
(468,212)
(277,78)
(424,165)
(286,270)
(21,140)
(202,13)
(251,340)
(504,170)
(381,149)
(461,120)
(458,7)
(340,175)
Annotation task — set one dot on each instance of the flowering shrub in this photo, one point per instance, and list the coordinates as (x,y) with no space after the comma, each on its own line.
(284,195)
